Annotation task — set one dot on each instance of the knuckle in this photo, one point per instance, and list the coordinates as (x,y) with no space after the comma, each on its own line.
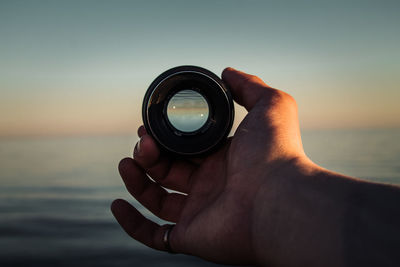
(251,80)
(274,96)
(281,97)
(289,98)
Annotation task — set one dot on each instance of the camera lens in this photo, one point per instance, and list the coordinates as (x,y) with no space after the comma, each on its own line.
(188,110)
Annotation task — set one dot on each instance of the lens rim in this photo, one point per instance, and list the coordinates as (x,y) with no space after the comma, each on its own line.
(214,91)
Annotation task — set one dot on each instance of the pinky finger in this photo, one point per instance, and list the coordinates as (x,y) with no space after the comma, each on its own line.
(138,227)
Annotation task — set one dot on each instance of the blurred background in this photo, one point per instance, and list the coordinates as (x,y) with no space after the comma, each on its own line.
(72,78)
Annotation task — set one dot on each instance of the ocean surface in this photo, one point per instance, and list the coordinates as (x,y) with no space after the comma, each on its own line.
(55,194)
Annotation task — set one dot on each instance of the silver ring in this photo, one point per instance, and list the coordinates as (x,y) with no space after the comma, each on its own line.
(166,239)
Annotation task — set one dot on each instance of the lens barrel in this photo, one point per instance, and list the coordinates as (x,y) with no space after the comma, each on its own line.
(188,110)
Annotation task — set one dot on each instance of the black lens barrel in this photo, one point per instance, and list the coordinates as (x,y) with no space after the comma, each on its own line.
(207,84)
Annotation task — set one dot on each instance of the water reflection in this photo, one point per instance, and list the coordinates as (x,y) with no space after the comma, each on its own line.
(55,195)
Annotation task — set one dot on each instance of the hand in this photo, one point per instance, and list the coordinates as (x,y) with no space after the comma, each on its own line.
(215,212)
(259,199)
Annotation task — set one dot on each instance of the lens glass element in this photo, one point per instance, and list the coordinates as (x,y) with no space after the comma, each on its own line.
(187,110)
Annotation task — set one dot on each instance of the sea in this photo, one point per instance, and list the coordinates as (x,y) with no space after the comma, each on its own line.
(55,194)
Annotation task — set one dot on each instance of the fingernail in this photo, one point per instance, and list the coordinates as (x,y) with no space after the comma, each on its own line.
(137,147)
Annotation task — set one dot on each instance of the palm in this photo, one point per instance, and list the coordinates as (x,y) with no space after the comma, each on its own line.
(217,206)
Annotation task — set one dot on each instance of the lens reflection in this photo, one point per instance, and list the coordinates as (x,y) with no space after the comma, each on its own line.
(187,110)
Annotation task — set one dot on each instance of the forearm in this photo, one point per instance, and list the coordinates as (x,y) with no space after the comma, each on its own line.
(307,216)
(371,232)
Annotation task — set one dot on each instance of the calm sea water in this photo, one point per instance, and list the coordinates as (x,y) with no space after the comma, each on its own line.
(55,195)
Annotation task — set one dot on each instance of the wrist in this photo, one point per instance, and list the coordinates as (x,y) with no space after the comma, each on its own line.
(298,216)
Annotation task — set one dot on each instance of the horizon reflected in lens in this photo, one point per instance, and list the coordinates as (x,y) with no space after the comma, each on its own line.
(187,110)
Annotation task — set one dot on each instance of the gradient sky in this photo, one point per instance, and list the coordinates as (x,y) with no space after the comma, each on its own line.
(82,67)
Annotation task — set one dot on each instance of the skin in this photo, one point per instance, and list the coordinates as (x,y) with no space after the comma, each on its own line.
(259,199)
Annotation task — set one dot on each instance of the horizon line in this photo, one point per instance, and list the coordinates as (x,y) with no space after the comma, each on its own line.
(134,133)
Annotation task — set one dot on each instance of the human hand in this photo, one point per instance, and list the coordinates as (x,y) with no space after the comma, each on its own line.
(216,210)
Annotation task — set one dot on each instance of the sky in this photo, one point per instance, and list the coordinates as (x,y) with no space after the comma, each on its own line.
(82,67)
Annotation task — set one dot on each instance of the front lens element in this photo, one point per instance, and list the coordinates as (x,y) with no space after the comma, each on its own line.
(187,111)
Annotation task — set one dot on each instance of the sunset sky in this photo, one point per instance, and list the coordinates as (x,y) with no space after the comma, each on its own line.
(82,67)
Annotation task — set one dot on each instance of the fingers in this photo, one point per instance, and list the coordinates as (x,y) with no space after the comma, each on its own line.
(139,227)
(141,131)
(170,173)
(167,206)
(146,151)
(246,89)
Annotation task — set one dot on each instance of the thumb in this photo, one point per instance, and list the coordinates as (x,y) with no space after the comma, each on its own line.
(246,89)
